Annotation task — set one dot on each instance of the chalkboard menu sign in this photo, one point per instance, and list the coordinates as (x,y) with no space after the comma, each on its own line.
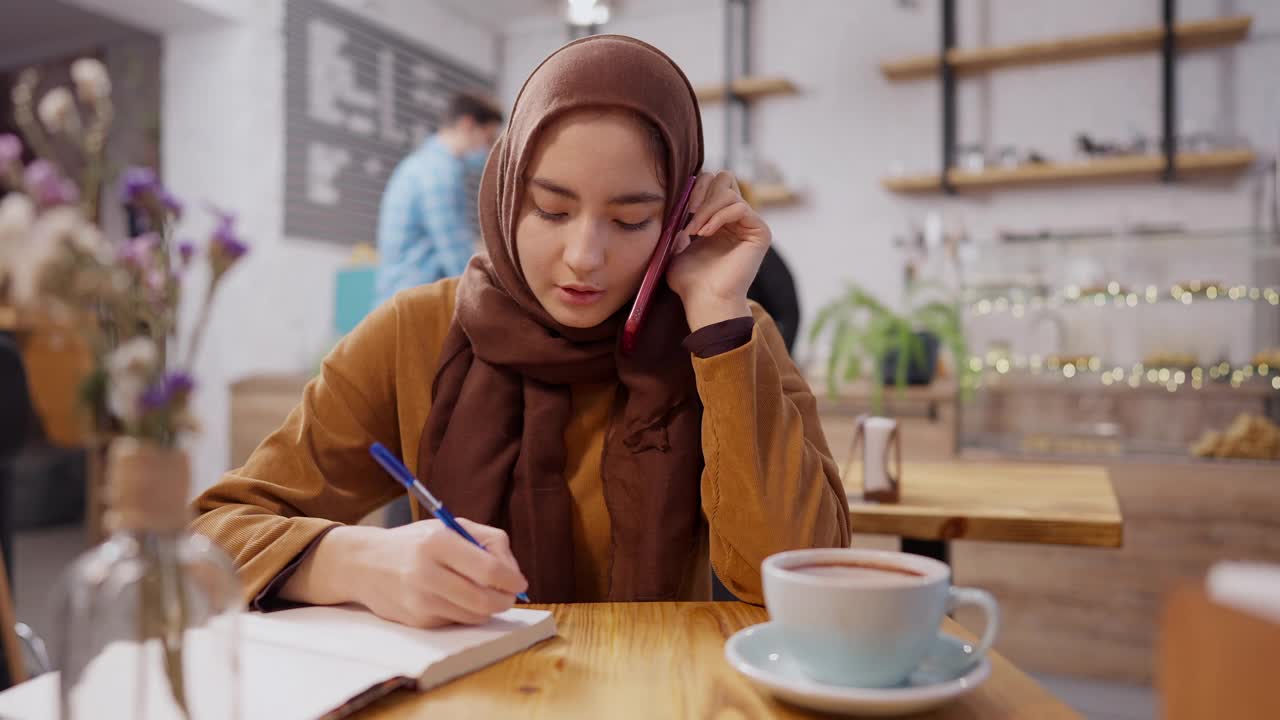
(358,98)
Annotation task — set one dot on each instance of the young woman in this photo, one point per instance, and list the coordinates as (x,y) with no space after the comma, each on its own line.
(589,474)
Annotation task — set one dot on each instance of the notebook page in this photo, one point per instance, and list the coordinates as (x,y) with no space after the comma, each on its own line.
(355,633)
(275,683)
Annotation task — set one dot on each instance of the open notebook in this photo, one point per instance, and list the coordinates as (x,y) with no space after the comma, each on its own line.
(359,657)
(314,662)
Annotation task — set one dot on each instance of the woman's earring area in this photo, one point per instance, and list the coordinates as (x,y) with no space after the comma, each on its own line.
(688,231)
(684,238)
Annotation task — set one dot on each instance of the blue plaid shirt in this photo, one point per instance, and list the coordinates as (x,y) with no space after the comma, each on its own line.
(426,226)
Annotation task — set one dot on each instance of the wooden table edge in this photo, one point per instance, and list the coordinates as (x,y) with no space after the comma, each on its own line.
(1074,531)
(906,509)
(509,673)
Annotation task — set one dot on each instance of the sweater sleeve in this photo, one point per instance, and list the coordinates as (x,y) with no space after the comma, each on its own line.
(720,337)
(315,471)
(770,483)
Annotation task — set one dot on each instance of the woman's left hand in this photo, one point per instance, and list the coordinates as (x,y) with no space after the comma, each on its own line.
(712,270)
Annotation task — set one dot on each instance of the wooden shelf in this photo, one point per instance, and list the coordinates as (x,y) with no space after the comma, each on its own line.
(748,88)
(913,184)
(774,195)
(1138,167)
(1197,35)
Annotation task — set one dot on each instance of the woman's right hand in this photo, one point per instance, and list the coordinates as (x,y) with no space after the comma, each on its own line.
(422,574)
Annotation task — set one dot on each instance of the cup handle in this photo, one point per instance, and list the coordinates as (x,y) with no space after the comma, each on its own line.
(983,600)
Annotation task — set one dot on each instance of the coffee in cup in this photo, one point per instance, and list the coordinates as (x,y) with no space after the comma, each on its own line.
(865,618)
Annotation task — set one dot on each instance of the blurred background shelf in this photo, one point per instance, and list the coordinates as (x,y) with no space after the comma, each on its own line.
(1125,168)
(1009,300)
(1102,378)
(1044,415)
(747,88)
(775,195)
(1196,35)
(1179,237)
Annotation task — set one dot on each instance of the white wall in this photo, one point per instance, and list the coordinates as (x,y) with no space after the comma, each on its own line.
(223,136)
(840,136)
(223,143)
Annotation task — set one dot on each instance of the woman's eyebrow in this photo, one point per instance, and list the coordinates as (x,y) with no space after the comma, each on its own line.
(635,198)
(554,188)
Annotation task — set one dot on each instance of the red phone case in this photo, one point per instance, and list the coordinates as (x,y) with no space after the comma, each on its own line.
(657,266)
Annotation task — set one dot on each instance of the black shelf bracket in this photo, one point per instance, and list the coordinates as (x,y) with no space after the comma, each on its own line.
(1169,95)
(948,73)
(577,32)
(737,25)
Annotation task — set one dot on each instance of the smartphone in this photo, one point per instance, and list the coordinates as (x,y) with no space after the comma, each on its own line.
(657,266)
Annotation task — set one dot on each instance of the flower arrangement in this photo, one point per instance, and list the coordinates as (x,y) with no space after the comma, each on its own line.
(122,294)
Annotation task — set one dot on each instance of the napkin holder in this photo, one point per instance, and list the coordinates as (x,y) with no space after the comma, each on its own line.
(875,439)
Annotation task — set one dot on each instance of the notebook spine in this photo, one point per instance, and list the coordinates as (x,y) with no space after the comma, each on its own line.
(369,697)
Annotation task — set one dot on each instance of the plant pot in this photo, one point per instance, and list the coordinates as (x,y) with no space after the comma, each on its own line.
(918,372)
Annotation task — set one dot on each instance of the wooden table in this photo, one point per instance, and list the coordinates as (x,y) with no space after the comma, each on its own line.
(662,660)
(1010,501)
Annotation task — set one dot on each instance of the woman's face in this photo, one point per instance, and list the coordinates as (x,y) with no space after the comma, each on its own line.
(591,215)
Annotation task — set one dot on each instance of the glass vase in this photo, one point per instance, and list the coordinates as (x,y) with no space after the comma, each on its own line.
(148,619)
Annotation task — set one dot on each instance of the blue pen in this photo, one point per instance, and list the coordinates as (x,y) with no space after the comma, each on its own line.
(397,470)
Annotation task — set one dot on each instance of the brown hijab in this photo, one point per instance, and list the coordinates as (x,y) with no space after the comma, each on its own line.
(493,446)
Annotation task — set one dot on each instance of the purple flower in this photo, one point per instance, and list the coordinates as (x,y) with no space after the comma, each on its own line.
(230,246)
(168,391)
(170,202)
(226,221)
(156,279)
(10,150)
(137,183)
(181,382)
(186,251)
(153,398)
(137,251)
(47,185)
(40,173)
(226,244)
(68,194)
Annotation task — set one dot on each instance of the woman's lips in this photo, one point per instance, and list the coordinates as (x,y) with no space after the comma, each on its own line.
(578,294)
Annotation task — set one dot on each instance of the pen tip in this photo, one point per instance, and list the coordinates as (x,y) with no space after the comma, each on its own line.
(523,597)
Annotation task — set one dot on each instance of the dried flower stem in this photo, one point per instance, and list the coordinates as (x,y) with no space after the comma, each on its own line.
(24,115)
(197,331)
(95,139)
(163,614)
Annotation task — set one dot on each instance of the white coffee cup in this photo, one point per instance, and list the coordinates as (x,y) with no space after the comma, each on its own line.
(866,618)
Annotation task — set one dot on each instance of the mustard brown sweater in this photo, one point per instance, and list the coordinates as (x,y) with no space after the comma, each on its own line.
(769,482)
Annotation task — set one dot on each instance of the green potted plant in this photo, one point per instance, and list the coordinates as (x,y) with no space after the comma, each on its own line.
(889,347)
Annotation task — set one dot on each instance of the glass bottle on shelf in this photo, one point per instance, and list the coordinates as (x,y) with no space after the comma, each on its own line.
(148,619)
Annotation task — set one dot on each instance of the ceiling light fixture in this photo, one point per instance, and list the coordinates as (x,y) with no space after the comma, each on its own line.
(587,13)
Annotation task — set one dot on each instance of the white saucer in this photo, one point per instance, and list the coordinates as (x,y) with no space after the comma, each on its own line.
(758,653)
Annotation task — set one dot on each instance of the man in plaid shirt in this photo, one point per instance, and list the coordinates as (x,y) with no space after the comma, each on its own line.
(427,219)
